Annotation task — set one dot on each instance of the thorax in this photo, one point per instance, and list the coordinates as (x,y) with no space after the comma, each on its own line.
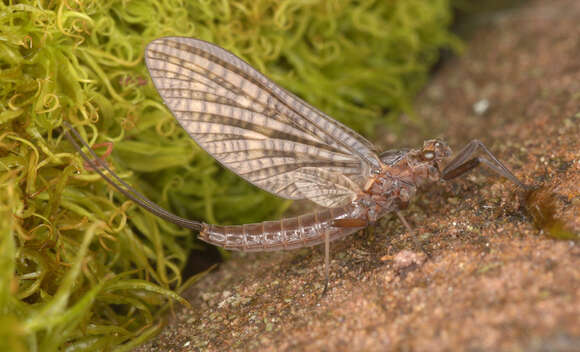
(388,191)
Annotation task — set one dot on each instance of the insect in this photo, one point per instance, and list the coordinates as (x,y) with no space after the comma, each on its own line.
(281,144)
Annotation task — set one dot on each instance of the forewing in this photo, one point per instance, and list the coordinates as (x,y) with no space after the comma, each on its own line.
(249,124)
(325,188)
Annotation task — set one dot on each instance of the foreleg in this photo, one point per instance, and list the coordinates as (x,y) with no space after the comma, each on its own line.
(463,163)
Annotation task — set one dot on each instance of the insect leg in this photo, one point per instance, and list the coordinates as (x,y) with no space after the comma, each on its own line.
(451,173)
(402,218)
(369,231)
(462,163)
(326,261)
(418,243)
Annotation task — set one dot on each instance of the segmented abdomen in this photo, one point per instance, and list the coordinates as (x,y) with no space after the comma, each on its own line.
(290,233)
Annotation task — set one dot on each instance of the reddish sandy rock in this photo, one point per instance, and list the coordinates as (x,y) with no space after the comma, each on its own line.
(406,258)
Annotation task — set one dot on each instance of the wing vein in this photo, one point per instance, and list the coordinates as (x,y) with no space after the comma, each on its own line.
(255,128)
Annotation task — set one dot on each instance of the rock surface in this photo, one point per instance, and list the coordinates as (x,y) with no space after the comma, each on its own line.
(495,278)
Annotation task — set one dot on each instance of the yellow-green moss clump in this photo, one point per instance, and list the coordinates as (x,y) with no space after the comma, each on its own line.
(80,266)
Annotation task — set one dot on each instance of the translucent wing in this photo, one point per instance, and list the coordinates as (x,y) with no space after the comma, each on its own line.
(328,189)
(260,131)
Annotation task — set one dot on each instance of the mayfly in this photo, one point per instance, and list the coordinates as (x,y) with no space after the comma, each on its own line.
(283,145)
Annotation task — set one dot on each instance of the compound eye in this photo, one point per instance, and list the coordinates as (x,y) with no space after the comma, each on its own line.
(428,155)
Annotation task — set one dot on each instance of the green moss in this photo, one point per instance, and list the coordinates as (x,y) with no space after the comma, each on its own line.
(80,266)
